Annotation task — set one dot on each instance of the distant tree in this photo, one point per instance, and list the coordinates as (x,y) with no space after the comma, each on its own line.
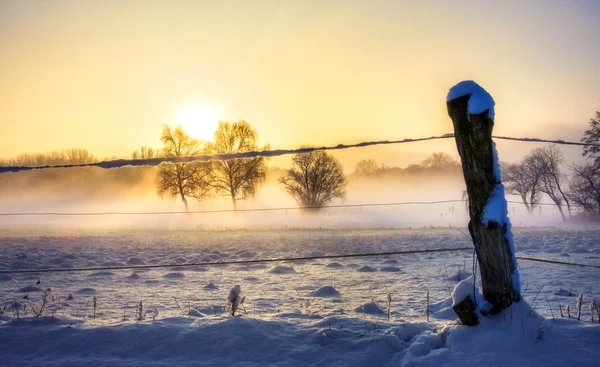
(592,136)
(186,180)
(548,160)
(413,168)
(145,153)
(441,161)
(238,178)
(315,179)
(366,168)
(524,179)
(584,189)
(53,158)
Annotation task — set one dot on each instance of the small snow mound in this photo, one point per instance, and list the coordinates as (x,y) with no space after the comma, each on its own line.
(136,261)
(211,285)
(29,288)
(390,262)
(86,291)
(462,290)
(390,269)
(5,278)
(367,269)
(133,276)
(174,276)
(197,269)
(370,308)
(251,279)
(335,266)
(327,291)
(563,292)
(280,269)
(460,276)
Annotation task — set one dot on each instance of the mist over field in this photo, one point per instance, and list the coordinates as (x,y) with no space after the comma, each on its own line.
(132,190)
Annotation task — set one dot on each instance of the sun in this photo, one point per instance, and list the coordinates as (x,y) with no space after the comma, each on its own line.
(200,121)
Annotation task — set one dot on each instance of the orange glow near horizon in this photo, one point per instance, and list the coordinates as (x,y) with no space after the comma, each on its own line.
(105,75)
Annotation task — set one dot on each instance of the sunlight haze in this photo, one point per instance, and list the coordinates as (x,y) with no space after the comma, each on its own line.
(105,75)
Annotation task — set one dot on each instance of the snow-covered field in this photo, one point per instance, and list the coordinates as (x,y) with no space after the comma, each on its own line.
(317,312)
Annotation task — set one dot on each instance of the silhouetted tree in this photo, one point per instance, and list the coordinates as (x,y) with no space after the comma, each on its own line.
(548,160)
(592,136)
(584,189)
(441,161)
(182,179)
(238,178)
(524,179)
(145,153)
(314,180)
(366,168)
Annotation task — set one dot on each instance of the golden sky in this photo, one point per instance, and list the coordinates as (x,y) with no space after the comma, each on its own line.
(104,75)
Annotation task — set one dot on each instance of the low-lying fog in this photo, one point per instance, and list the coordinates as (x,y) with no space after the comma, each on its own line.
(91,190)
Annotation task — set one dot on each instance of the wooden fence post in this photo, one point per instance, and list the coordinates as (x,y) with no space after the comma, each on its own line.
(471,109)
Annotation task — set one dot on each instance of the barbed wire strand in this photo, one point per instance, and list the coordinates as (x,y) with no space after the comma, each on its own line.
(117,163)
(17,214)
(291,259)
(235,262)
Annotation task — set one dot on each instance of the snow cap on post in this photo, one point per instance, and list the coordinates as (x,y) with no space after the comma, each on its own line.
(480,100)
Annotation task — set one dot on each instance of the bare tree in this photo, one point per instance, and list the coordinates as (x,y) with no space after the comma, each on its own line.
(182,179)
(441,161)
(523,179)
(145,153)
(584,189)
(592,136)
(315,179)
(238,178)
(366,168)
(548,159)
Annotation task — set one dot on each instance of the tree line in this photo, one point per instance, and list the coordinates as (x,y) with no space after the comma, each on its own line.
(540,173)
(317,178)
(436,163)
(314,180)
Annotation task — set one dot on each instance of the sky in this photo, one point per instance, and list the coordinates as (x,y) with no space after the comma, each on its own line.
(105,75)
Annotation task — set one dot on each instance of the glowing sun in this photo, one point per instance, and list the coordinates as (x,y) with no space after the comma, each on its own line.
(198,120)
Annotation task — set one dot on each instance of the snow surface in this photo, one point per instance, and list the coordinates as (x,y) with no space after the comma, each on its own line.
(326,291)
(480,100)
(192,327)
(518,337)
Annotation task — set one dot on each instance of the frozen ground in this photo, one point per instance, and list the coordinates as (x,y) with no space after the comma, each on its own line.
(318,312)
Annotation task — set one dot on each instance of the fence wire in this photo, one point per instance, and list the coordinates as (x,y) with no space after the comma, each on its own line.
(266,153)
